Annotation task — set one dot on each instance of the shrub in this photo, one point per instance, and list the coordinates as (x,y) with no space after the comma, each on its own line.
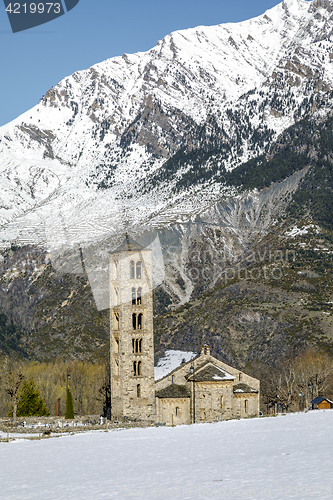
(69,409)
(30,402)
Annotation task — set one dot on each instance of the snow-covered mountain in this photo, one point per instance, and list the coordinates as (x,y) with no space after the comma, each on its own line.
(90,157)
(215,148)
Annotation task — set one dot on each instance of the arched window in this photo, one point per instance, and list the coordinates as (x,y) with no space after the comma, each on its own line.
(138,296)
(132,270)
(136,346)
(140,316)
(177,411)
(134,321)
(138,391)
(138,270)
(137,368)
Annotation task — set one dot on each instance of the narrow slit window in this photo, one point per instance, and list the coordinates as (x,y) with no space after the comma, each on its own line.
(138,270)
(140,345)
(132,270)
(135,372)
(133,345)
(115,269)
(245,405)
(116,320)
(133,296)
(138,391)
(139,367)
(116,295)
(140,316)
(134,321)
(139,295)
(116,345)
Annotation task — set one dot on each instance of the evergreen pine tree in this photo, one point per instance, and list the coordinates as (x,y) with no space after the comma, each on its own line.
(30,402)
(69,409)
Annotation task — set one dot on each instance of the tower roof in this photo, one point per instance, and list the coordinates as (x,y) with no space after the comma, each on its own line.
(129,245)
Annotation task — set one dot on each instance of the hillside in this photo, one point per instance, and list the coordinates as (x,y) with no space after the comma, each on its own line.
(215,148)
(272,292)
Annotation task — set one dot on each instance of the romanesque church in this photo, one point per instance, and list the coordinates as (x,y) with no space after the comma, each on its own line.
(201,390)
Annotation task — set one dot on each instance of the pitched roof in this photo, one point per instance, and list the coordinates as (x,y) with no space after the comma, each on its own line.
(129,245)
(210,373)
(244,388)
(173,391)
(319,399)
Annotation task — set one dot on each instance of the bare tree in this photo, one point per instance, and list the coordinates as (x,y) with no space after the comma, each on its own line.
(313,373)
(13,381)
(309,373)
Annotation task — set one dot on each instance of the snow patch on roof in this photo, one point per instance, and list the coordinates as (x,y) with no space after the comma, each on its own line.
(171,361)
(224,375)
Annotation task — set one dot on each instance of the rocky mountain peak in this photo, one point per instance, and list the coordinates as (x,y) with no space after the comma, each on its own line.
(321,4)
(111,131)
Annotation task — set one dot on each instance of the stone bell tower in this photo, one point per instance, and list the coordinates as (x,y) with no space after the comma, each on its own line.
(131,332)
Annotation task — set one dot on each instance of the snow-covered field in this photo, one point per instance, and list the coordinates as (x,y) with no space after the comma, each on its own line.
(285,457)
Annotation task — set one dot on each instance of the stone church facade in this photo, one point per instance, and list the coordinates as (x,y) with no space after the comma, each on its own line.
(201,390)
(206,390)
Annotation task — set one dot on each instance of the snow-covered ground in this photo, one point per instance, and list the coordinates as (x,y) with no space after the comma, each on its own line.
(274,458)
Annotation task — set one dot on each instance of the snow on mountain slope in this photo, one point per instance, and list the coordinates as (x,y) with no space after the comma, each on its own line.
(72,167)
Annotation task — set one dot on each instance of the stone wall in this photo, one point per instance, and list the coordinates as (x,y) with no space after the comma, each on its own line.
(173,411)
(213,401)
(245,405)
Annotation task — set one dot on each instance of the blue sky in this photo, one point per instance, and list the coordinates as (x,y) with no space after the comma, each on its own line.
(35,60)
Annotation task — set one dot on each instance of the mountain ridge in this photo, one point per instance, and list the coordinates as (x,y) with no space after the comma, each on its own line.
(115,124)
(202,141)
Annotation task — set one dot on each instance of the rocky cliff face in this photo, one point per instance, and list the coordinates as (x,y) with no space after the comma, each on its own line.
(93,146)
(188,141)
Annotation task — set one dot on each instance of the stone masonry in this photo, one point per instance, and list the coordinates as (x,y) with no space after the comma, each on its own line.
(131,327)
